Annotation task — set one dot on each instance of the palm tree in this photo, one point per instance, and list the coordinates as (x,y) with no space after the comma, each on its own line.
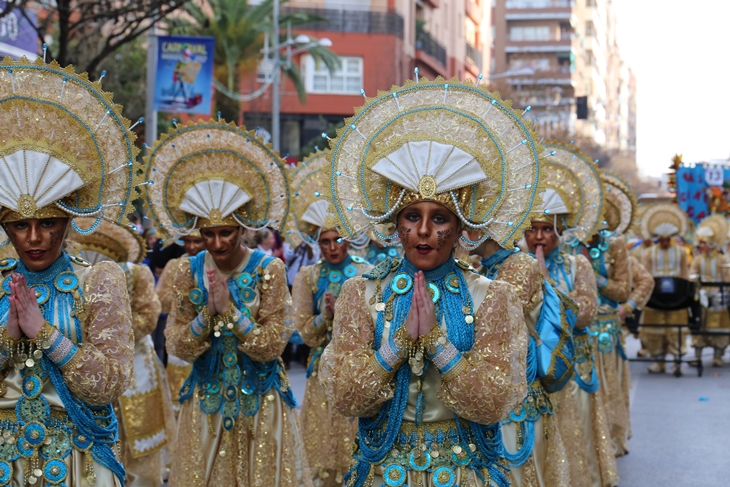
(239,30)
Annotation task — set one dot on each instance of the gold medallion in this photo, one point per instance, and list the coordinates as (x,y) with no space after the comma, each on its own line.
(26,205)
(216,218)
(427,187)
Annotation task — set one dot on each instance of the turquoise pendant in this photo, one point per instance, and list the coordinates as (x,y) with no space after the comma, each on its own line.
(244,280)
(435,293)
(452,282)
(401,283)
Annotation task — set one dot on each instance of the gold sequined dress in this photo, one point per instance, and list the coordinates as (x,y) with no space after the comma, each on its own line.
(483,387)
(547,466)
(250,436)
(94,356)
(581,415)
(328,436)
(177,369)
(613,280)
(146,419)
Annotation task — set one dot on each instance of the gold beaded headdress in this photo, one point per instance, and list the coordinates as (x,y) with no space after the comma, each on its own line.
(663,220)
(66,151)
(309,213)
(713,230)
(109,242)
(448,142)
(574,179)
(209,174)
(621,205)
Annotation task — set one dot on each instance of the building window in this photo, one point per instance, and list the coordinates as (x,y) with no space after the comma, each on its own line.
(345,80)
(531,33)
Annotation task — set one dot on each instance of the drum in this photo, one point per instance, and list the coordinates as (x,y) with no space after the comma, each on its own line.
(672,293)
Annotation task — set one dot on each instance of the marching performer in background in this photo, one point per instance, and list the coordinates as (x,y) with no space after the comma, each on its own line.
(664,259)
(67,348)
(429,355)
(572,209)
(146,420)
(328,436)
(177,369)
(533,444)
(231,314)
(711,265)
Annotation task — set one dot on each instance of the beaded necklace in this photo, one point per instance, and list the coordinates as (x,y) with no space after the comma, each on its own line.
(229,381)
(378,434)
(44,435)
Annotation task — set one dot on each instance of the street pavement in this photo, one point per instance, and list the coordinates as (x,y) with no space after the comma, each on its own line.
(681,426)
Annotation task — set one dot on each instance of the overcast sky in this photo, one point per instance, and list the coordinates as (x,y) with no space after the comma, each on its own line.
(680,53)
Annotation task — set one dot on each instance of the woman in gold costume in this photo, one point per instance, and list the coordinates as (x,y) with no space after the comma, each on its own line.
(146,420)
(416,352)
(66,350)
(572,211)
(231,314)
(328,436)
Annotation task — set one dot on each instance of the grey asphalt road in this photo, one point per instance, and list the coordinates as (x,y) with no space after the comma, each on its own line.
(681,427)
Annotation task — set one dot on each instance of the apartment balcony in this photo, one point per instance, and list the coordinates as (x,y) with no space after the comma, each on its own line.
(562,44)
(474,56)
(431,53)
(539,9)
(358,21)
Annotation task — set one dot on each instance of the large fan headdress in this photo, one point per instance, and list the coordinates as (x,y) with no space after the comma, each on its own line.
(621,206)
(210,173)
(66,150)
(449,142)
(108,242)
(574,191)
(310,213)
(663,220)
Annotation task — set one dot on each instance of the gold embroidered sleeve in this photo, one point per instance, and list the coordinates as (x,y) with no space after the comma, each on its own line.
(491,381)
(643,284)
(273,324)
(584,292)
(145,303)
(312,329)
(684,263)
(101,369)
(694,267)
(165,290)
(180,341)
(522,271)
(617,284)
(355,383)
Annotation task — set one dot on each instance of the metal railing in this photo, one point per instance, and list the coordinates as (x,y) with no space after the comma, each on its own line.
(474,55)
(362,21)
(540,3)
(429,45)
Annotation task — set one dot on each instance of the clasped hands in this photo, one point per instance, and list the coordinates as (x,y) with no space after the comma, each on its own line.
(422,315)
(24,317)
(219,297)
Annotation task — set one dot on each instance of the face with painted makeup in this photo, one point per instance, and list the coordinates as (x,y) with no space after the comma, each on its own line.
(429,232)
(193,245)
(225,245)
(543,235)
(334,249)
(38,242)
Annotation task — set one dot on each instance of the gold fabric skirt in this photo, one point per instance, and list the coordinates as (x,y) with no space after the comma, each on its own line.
(328,436)
(264,450)
(714,321)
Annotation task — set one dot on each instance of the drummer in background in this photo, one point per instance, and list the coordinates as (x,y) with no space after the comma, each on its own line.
(664,259)
(710,265)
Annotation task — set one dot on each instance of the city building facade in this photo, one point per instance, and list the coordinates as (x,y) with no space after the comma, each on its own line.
(380,43)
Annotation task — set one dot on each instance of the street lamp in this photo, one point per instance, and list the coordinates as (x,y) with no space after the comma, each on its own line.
(303,43)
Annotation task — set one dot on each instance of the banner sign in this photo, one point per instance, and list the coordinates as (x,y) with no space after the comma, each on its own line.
(184,77)
(703,189)
(18,36)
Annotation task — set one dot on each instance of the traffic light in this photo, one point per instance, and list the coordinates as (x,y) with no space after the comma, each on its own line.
(581,107)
